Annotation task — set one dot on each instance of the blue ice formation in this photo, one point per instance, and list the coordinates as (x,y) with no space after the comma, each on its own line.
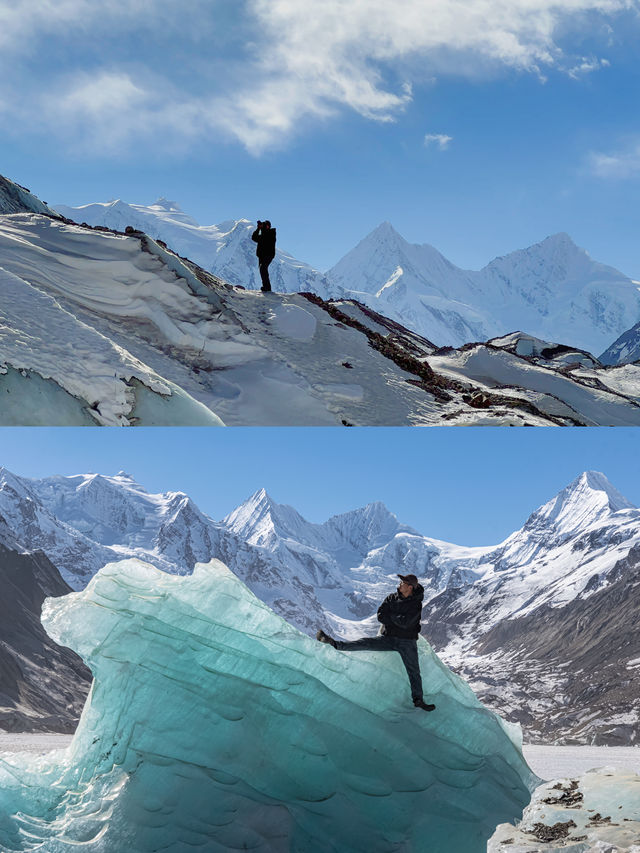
(213,725)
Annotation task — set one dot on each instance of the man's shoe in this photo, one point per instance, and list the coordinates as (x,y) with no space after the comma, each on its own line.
(420,703)
(325,638)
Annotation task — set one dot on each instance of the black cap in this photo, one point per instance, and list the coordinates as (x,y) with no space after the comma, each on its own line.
(410,579)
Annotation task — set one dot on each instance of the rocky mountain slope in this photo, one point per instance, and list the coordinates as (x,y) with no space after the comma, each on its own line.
(552,290)
(42,685)
(523,620)
(625,349)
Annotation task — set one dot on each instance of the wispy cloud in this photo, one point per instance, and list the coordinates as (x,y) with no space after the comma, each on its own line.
(620,164)
(290,65)
(440,139)
(586,66)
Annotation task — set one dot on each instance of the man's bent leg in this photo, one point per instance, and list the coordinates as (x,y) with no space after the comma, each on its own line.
(367,644)
(409,653)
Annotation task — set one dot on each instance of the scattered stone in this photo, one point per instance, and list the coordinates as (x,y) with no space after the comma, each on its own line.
(556,832)
(571,796)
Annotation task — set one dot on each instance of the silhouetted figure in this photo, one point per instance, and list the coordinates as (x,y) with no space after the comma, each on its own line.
(400,615)
(265,237)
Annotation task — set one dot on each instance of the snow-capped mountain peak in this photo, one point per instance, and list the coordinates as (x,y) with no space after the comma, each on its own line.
(552,290)
(367,528)
(260,520)
(14,484)
(590,498)
(386,231)
(165,204)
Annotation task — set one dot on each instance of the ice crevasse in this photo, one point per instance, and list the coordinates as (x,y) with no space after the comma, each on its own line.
(214,725)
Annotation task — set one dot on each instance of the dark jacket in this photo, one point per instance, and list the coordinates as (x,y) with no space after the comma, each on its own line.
(400,616)
(266,240)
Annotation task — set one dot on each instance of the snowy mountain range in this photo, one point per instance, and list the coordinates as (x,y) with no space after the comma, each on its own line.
(552,290)
(107,328)
(575,557)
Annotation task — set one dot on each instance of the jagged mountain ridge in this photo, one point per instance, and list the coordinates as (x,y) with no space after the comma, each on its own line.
(84,520)
(552,289)
(572,669)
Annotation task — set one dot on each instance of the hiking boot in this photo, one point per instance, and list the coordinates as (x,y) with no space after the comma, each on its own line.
(420,703)
(325,638)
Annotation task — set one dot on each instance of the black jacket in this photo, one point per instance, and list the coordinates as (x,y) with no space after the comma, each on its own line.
(400,616)
(266,240)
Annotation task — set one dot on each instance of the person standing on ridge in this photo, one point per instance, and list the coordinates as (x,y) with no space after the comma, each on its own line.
(400,616)
(265,237)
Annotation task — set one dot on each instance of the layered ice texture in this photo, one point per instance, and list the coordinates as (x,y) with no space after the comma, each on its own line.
(213,724)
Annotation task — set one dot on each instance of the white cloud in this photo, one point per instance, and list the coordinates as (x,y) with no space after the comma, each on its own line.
(586,66)
(346,53)
(621,164)
(294,64)
(439,139)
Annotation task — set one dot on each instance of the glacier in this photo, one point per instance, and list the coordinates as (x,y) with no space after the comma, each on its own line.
(212,724)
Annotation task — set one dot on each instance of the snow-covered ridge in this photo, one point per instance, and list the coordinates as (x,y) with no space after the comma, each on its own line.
(226,249)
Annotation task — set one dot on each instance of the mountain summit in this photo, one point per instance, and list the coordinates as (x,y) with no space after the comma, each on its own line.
(588,500)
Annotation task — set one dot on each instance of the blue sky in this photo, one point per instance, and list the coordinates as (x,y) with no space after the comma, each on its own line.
(471,487)
(477,127)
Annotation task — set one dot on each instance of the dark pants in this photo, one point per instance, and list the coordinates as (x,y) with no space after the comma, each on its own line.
(263,263)
(408,650)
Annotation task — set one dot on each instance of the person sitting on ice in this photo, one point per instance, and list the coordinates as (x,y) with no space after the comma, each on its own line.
(400,616)
(265,237)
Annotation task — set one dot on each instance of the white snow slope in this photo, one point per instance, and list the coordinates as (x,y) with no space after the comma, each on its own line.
(552,289)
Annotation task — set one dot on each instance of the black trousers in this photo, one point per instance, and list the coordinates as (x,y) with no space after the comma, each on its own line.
(263,264)
(408,650)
